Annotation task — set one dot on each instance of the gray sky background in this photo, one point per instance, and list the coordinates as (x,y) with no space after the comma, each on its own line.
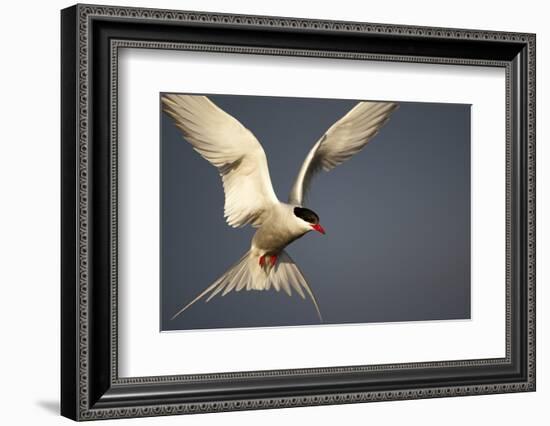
(397,217)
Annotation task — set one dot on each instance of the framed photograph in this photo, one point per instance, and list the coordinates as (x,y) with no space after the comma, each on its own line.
(263,212)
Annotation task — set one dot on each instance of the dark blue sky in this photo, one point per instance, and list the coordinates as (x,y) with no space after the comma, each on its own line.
(397,217)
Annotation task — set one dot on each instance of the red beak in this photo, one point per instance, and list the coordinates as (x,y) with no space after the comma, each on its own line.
(318,228)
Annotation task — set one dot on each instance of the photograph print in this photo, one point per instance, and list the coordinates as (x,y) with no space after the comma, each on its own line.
(279,211)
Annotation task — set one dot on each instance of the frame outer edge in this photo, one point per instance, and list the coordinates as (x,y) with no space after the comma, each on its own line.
(531,206)
(81,318)
(68,181)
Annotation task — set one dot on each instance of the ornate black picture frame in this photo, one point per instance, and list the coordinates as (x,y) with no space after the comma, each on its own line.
(90,385)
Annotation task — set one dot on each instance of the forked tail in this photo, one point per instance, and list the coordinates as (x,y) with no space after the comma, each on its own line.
(248,274)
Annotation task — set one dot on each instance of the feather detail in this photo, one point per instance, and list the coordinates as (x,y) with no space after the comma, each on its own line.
(226,144)
(247,273)
(342,140)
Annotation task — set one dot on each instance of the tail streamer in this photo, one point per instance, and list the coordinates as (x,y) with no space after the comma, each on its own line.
(248,274)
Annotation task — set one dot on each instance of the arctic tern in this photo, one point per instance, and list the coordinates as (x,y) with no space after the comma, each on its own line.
(249,196)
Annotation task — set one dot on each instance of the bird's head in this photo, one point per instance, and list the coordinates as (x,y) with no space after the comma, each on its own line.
(308,219)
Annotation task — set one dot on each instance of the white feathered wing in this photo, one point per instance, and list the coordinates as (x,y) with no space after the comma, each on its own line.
(233,149)
(340,142)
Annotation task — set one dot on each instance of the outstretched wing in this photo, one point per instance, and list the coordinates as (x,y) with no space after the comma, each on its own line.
(233,149)
(341,141)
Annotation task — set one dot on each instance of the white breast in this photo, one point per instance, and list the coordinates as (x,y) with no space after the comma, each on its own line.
(280,229)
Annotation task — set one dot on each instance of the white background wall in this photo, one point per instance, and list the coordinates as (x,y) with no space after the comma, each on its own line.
(29,211)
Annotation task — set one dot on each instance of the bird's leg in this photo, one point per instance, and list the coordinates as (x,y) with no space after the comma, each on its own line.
(272,259)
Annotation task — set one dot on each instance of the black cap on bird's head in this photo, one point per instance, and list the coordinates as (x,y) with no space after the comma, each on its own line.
(310,217)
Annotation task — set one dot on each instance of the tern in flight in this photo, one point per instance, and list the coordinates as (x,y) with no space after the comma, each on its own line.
(249,196)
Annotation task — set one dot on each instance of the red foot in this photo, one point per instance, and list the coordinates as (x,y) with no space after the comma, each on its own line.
(272,260)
